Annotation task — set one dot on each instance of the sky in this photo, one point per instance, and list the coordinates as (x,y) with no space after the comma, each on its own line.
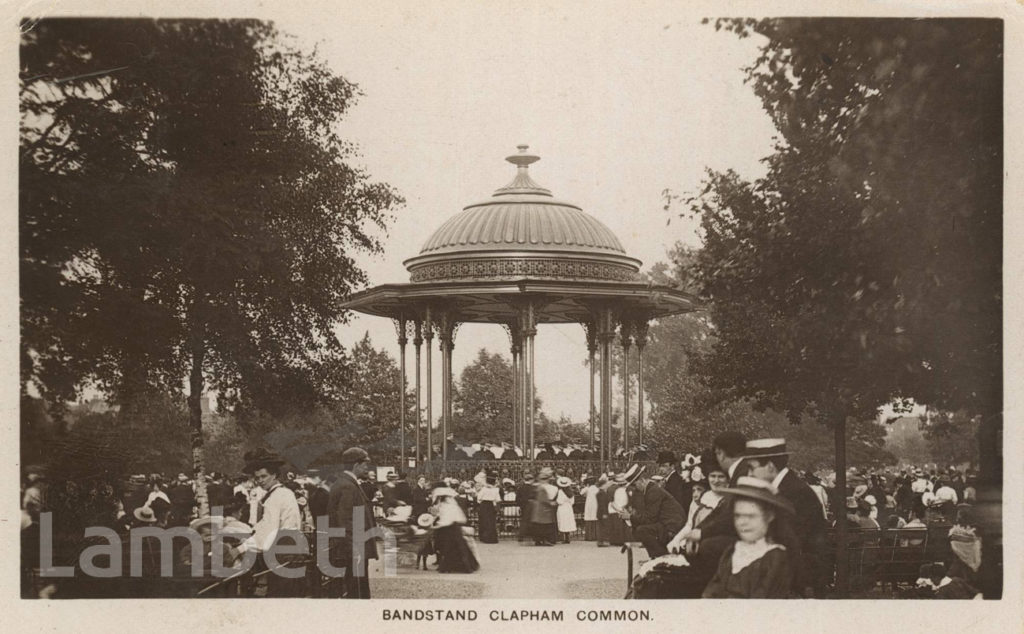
(620,104)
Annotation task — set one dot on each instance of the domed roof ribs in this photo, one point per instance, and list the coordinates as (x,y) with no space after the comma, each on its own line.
(520,232)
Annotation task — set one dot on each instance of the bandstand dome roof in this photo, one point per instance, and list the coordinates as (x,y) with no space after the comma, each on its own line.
(521,245)
(522,231)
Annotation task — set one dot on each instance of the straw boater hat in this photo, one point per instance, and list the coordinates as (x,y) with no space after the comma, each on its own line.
(756,489)
(765,448)
(392,475)
(631,474)
(144,514)
(563,482)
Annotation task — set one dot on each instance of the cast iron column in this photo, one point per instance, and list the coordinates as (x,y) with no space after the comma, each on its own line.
(417,342)
(428,324)
(402,340)
(625,333)
(640,331)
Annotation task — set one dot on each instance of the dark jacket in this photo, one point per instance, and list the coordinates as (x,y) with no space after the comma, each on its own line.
(655,506)
(544,506)
(219,494)
(675,487)
(809,525)
(347,499)
(420,501)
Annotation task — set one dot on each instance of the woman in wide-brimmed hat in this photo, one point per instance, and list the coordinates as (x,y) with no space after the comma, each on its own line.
(757,566)
(453,553)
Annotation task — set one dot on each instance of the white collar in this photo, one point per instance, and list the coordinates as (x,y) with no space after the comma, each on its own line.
(945,582)
(779,477)
(744,553)
(732,468)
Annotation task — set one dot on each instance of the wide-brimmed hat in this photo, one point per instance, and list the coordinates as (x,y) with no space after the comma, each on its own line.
(667,457)
(765,448)
(508,481)
(563,481)
(851,503)
(144,514)
(261,458)
(443,491)
(425,520)
(546,473)
(756,489)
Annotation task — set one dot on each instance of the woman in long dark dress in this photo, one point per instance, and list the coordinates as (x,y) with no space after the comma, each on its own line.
(487,501)
(757,566)
(453,553)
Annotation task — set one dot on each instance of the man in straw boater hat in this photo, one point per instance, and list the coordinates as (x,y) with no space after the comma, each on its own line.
(654,514)
(276,512)
(349,508)
(758,565)
(768,460)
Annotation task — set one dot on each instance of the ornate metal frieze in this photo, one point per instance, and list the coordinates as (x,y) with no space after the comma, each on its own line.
(497,268)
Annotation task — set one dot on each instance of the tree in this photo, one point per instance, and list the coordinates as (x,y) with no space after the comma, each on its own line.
(186,209)
(482,403)
(686,414)
(865,267)
(951,437)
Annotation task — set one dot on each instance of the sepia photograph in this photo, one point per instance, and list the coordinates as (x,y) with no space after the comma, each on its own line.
(510,302)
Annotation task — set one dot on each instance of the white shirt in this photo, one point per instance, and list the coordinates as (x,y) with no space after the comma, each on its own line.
(732,468)
(156,495)
(280,512)
(779,477)
(590,504)
(488,494)
(449,512)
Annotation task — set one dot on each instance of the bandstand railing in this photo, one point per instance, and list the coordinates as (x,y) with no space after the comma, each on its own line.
(514,469)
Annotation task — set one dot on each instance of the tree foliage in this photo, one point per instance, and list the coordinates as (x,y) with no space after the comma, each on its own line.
(686,413)
(186,209)
(865,267)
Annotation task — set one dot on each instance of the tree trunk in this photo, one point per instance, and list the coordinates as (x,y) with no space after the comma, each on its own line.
(839,499)
(195,419)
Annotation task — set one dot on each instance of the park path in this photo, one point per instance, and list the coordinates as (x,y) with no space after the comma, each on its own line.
(510,570)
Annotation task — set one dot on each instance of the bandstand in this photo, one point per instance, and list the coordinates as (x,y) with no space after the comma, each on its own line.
(520,259)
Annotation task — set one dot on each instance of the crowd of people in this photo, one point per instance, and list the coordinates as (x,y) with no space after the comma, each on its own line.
(733,521)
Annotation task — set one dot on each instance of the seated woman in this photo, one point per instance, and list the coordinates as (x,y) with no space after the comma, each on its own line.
(757,566)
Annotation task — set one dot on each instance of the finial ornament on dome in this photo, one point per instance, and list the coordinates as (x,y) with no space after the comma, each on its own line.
(522,160)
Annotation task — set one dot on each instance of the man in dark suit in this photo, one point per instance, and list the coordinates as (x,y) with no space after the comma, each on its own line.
(655,515)
(768,460)
(346,503)
(673,483)
(219,492)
